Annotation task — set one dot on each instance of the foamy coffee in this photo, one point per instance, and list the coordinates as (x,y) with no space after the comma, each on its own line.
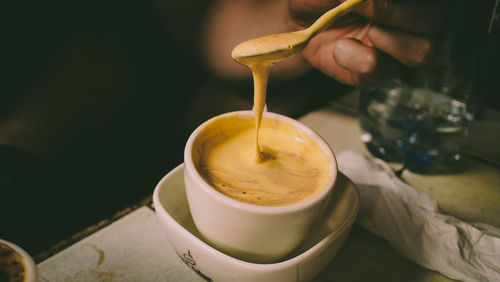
(293,167)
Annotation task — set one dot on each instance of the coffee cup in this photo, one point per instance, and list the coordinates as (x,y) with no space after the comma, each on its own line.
(252,231)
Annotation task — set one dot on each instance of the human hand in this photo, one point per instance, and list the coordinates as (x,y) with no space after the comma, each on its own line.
(374,41)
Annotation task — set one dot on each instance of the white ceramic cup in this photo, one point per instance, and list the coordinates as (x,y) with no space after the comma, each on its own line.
(246,231)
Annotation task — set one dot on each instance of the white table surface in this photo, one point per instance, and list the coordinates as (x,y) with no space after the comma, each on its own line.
(134,248)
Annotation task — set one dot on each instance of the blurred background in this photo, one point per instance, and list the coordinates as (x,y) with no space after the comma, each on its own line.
(89,111)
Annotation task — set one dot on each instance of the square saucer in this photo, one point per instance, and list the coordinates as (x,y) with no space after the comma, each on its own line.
(303,264)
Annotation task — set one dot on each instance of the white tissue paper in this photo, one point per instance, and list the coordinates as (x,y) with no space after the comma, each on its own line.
(411,222)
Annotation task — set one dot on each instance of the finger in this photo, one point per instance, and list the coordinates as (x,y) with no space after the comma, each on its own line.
(350,61)
(424,16)
(410,49)
(362,64)
(319,51)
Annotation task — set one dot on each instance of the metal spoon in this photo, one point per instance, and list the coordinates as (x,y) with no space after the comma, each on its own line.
(278,47)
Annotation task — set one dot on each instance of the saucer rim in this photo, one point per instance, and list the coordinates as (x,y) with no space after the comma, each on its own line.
(330,238)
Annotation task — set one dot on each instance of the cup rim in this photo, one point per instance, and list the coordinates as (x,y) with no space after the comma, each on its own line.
(254,208)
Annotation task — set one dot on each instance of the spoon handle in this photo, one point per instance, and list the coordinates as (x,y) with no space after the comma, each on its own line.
(329,17)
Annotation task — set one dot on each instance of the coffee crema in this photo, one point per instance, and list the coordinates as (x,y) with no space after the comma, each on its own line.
(293,168)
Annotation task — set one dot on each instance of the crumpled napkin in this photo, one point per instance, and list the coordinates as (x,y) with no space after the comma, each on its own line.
(412,223)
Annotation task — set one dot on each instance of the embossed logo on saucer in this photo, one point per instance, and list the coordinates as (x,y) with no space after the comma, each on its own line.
(189,260)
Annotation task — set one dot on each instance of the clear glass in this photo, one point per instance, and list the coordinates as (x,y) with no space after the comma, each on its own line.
(419,128)
(421,118)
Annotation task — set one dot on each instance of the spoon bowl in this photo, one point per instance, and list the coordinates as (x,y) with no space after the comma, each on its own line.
(271,48)
(278,47)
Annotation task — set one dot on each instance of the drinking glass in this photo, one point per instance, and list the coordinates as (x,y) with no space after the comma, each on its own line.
(421,118)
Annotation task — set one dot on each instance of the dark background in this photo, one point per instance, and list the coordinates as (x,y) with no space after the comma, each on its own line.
(89,114)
